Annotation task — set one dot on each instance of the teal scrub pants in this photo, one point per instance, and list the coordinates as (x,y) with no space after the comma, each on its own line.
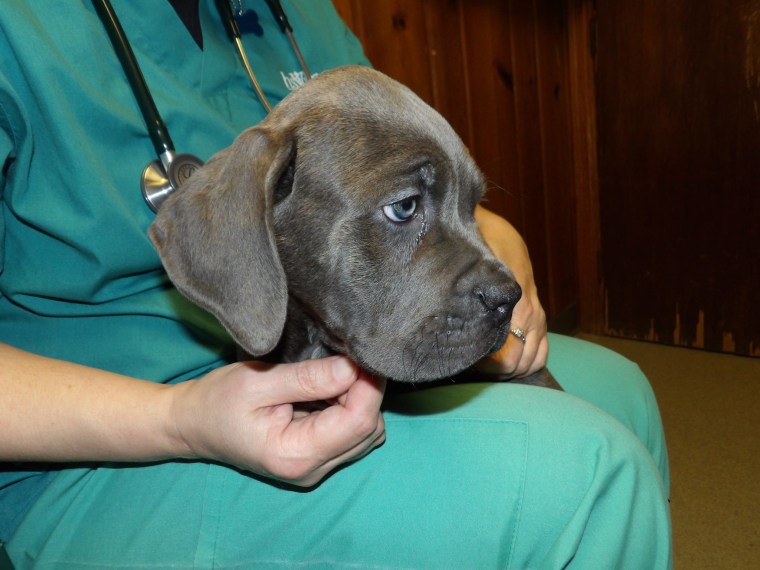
(475,476)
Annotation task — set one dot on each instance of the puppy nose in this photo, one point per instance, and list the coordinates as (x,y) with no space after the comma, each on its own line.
(500,299)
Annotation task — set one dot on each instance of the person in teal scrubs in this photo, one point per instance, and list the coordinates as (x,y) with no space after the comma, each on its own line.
(129,437)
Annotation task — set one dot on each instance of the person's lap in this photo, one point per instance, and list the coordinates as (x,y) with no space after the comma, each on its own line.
(472,476)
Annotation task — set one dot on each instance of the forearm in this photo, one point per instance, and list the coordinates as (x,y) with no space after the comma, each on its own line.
(507,244)
(52,410)
(242,414)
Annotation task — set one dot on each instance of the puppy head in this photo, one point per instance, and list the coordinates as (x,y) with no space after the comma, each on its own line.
(353,203)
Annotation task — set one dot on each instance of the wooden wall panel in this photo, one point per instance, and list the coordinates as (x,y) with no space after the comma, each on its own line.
(403,34)
(679,170)
(553,88)
(497,70)
(447,58)
(581,69)
(531,152)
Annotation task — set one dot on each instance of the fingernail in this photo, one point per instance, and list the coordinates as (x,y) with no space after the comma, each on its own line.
(343,368)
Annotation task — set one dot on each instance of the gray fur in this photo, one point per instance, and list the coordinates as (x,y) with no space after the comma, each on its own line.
(283,238)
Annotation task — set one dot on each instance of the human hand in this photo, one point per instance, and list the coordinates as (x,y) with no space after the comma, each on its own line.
(248,414)
(515,358)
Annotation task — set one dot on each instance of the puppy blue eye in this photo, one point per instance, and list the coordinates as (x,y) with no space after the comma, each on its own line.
(401,211)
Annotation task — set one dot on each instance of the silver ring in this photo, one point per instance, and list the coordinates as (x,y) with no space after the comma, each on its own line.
(519,333)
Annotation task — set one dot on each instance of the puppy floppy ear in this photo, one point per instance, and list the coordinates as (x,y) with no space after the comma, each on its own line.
(215,239)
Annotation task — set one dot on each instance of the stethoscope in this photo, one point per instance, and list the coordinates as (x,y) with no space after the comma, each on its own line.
(170,171)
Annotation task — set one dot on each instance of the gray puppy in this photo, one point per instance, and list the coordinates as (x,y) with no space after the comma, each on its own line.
(343,223)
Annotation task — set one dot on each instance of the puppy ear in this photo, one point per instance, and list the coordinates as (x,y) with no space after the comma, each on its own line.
(215,239)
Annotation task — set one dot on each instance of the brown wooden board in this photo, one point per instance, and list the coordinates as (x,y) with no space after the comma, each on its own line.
(678,118)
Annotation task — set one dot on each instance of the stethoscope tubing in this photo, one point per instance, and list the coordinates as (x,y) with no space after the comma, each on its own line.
(159,134)
(162,177)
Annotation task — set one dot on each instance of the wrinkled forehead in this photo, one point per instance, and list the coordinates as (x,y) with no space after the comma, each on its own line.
(365,114)
(377,98)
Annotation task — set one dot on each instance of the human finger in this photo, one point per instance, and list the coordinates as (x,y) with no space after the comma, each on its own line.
(534,354)
(313,445)
(353,420)
(308,381)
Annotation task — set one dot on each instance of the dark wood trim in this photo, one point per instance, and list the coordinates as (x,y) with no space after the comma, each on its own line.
(581,22)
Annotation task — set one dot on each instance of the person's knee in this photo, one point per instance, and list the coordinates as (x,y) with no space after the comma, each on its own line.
(594,493)
(613,383)
(575,360)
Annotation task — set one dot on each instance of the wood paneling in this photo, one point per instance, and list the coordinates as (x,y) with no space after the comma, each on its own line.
(497,70)
(678,91)
(581,44)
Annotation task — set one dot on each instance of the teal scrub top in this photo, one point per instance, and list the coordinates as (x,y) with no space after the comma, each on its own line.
(79,278)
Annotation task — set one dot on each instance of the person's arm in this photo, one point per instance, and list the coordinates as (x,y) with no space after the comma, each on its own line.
(516,358)
(241,414)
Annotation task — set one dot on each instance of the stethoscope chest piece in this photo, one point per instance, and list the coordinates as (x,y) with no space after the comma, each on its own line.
(161,178)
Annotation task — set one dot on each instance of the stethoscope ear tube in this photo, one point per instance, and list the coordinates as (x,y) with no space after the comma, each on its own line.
(233,30)
(282,19)
(225,11)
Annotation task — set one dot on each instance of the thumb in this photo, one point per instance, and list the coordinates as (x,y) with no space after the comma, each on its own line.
(312,380)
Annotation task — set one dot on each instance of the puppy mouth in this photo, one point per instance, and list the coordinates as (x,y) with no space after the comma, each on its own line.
(439,353)
(501,338)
